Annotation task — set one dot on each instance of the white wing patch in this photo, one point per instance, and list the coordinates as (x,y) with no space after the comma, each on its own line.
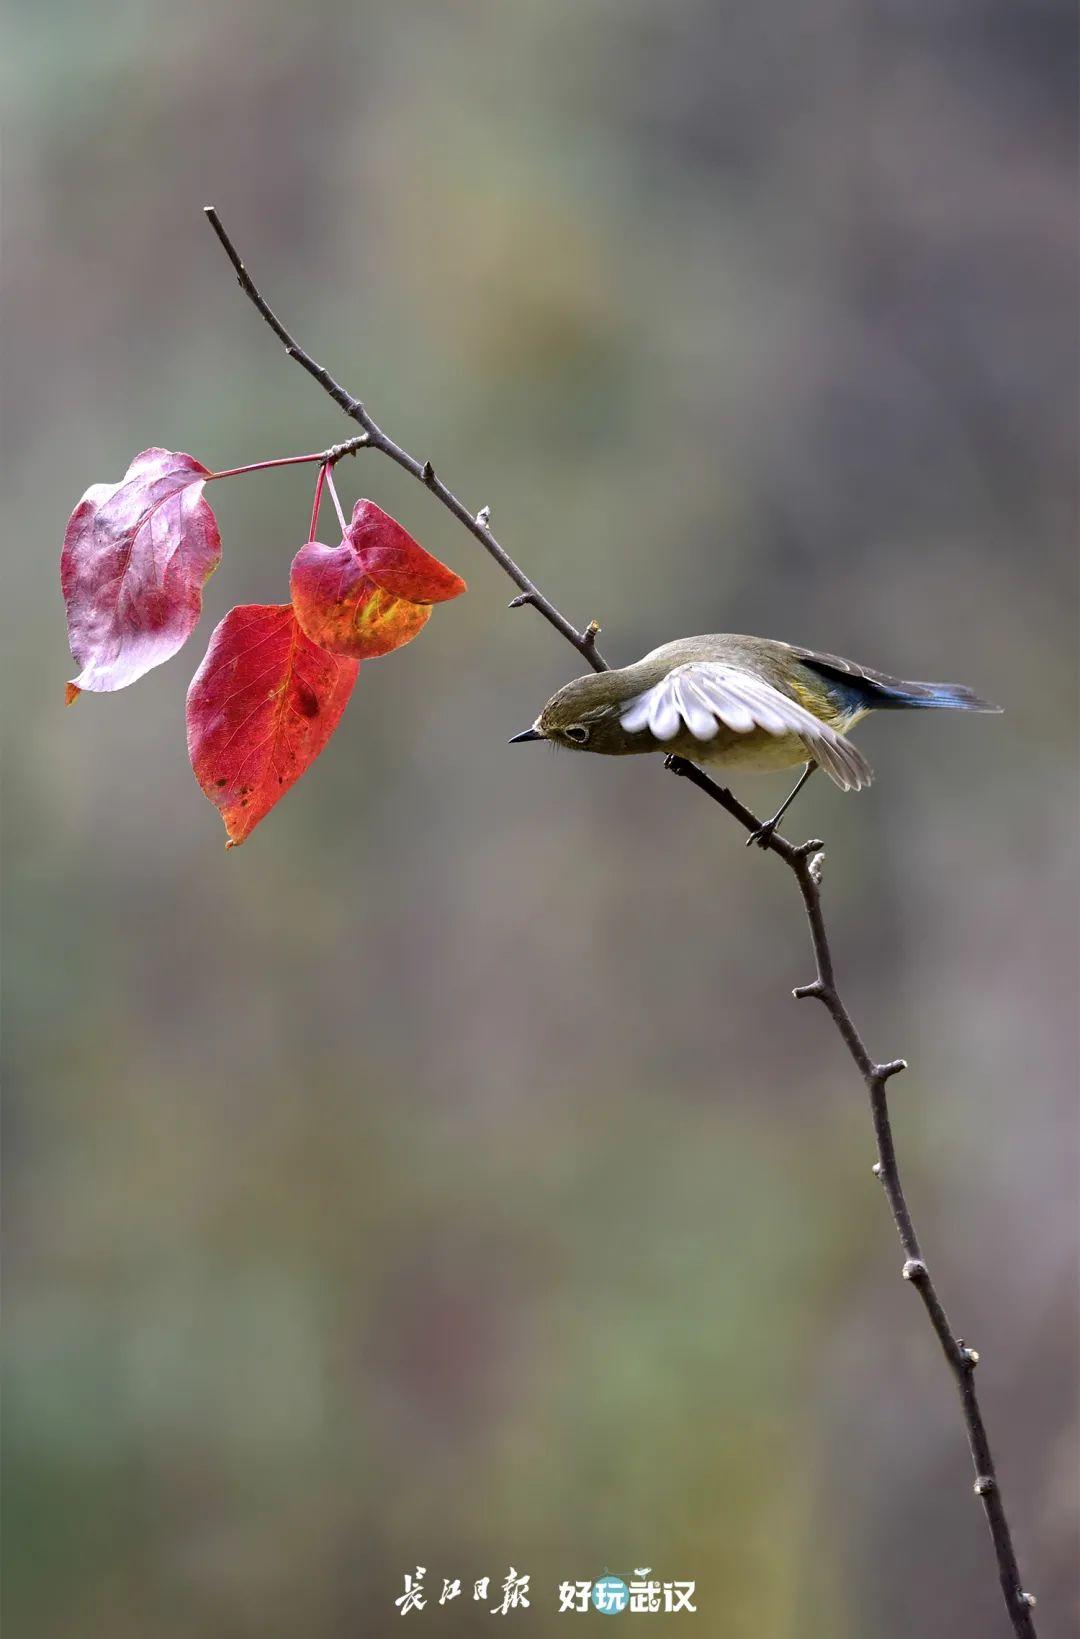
(702,695)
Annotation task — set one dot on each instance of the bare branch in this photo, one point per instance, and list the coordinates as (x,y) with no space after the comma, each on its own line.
(805,862)
(962,1359)
(422,471)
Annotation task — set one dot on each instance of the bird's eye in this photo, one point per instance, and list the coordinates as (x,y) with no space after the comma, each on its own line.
(577,732)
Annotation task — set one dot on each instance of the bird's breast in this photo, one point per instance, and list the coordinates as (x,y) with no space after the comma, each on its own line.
(755,751)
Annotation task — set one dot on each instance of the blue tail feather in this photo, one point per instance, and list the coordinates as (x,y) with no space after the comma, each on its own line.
(930,696)
(877,691)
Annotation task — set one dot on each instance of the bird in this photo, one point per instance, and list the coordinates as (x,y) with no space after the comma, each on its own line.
(732,701)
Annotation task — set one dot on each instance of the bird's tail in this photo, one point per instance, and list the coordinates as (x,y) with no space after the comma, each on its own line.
(877,691)
(929,696)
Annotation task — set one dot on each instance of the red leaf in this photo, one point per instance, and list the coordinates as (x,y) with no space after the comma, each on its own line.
(260,708)
(395,561)
(136,556)
(372,593)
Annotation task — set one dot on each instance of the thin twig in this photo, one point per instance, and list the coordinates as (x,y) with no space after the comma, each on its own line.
(421,470)
(327,458)
(805,862)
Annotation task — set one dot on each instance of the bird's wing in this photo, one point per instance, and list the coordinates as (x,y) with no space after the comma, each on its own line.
(706,693)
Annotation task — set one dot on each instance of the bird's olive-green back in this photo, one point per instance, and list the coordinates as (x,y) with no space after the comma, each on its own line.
(595,701)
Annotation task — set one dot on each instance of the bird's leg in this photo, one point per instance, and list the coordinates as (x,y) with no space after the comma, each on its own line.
(763,835)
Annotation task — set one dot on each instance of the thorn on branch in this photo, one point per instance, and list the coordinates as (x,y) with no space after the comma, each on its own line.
(816,988)
(427,474)
(883,1072)
(521,600)
(915,1271)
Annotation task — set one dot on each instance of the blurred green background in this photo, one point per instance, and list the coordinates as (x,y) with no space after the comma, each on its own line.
(447,1177)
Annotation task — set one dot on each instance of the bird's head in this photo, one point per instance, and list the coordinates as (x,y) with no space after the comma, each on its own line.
(583,715)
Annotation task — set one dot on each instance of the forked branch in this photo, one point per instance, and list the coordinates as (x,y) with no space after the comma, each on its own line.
(805,862)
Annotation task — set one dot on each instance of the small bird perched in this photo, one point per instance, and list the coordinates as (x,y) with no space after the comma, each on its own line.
(738,702)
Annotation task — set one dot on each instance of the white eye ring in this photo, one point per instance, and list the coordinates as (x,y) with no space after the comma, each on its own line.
(578,733)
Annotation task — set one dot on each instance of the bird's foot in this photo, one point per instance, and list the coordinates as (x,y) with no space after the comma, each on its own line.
(763,835)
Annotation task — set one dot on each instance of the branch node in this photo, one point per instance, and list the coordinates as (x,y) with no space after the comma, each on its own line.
(349,446)
(816,867)
(521,600)
(815,988)
(876,1169)
(483,517)
(915,1271)
(1028,1599)
(427,474)
(590,634)
(969,1358)
(984,1485)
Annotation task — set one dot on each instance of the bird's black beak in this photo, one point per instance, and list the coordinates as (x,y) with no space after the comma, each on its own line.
(529,734)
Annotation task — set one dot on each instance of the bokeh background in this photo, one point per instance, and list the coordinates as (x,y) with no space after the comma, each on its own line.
(447,1177)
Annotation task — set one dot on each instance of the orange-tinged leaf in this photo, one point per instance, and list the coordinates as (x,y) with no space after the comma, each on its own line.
(260,708)
(342,609)
(372,593)
(136,556)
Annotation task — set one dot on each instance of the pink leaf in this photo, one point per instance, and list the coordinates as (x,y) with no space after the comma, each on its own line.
(136,556)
